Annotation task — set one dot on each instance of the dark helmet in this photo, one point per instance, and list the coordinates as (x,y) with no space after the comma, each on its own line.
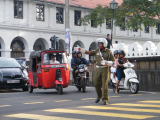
(122,52)
(115,52)
(73,52)
(79,52)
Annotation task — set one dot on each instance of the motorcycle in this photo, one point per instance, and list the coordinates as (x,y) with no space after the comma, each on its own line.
(81,79)
(130,82)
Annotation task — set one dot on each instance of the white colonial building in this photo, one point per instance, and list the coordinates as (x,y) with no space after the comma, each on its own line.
(27,25)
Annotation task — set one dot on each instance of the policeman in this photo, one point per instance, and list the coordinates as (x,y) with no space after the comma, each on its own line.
(104,59)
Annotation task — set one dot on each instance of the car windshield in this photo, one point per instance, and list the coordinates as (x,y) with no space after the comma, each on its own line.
(22,62)
(9,63)
(54,58)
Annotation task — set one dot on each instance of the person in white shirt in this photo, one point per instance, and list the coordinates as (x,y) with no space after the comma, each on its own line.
(114,67)
(53,60)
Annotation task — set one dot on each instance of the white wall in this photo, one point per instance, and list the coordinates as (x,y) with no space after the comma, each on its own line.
(29,29)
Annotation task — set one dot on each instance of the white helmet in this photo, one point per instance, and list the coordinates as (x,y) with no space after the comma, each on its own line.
(102,40)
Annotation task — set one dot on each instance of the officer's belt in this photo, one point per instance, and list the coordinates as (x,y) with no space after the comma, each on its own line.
(101,66)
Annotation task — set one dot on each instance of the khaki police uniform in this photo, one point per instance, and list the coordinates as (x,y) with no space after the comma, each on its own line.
(101,74)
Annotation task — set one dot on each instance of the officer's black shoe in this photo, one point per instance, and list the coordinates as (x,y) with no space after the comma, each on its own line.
(105,103)
(97,100)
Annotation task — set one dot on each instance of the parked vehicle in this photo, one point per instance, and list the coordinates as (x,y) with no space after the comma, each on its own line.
(81,79)
(130,82)
(24,62)
(12,74)
(48,69)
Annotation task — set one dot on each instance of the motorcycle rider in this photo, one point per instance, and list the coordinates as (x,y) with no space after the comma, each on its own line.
(79,60)
(120,61)
(104,58)
(114,67)
(72,64)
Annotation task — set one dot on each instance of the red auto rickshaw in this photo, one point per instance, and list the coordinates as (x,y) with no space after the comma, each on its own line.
(48,69)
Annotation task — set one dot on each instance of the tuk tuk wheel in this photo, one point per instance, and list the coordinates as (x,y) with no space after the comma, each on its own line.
(60,89)
(30,88)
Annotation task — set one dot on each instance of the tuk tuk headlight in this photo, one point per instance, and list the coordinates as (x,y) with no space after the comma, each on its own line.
(60,79)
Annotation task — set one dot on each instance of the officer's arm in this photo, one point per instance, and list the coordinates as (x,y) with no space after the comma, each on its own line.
(91,53)
(88,52)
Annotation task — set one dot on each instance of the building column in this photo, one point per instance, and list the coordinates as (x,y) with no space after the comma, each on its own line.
(5,53)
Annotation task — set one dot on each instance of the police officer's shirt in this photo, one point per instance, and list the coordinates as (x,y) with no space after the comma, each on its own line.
(106,54)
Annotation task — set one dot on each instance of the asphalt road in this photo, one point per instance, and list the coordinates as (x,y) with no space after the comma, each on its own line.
(74,105)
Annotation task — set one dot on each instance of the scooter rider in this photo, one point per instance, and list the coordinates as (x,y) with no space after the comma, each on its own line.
(74,55)
(120,74)
(79,60)
(114,67)
(104,58)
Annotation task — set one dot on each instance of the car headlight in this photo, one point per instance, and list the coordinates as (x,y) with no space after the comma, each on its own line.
(81,70)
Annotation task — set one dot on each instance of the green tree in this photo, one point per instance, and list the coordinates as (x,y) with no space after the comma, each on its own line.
(135,12)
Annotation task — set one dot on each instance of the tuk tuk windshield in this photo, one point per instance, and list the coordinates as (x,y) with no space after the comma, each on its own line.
(54,58)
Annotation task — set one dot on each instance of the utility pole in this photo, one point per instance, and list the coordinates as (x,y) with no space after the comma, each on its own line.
(67,28)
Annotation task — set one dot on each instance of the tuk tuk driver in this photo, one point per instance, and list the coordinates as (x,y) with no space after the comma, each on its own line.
(104,59)
(53,60)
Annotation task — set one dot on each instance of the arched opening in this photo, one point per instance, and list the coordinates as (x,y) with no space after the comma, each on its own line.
(93,46)
(17,47)
(79,43)
(40,44)
(61,44)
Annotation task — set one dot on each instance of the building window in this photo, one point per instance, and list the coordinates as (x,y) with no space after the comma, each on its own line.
(158,28)
(122,26)
(77,17)
(40,12)
(92,24)
(108,23)
(146,29)
(135,29)
(59,15)
(18,9)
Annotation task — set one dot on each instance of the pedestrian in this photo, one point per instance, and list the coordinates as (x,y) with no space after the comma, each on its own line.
(109,42)
(116,42)
(104,59)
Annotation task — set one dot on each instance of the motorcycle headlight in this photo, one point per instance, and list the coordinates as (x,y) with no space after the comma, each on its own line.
(81,70)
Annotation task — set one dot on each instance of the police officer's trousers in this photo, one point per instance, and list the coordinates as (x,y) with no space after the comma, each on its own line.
(101,76)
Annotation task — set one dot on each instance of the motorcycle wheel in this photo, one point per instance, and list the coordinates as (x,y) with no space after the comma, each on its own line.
(79,89)
(84,86)
(60,89)
(30,89)
(134,87)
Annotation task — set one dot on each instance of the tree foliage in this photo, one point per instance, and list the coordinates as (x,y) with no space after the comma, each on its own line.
(135,12)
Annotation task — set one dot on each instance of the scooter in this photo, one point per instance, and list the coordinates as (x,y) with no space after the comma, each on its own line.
(130,82)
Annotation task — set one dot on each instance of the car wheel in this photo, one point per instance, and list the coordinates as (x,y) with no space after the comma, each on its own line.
(25,89)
